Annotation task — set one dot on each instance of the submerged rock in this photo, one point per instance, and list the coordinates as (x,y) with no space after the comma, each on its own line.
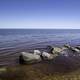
(2,69)
(78,47)
(74,49)
(53,52)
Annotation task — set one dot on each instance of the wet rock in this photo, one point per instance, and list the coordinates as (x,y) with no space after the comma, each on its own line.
(56,50)
(28,58)
(45,55)
(48,56)
(50,49)
(65,52)
(37,52)
(38,56)
(74,49)
(67,46)
(78,47)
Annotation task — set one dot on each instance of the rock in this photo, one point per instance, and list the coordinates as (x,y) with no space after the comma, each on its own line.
(52,56)
(37,52)
(56,50)
(78,47)
(2,70)
(45,55)
(63,48)
(64,52)
(50,49)
(67,46)
(74,49)
(28,58)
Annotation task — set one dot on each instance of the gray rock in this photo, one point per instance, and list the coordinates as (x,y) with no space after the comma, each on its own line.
(29,57)
(67,46)
(74,49)
(48,56)
(78,47)
(56,50)
(37,52)
(45,55)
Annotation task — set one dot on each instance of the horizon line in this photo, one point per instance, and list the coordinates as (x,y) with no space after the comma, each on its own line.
(39,28)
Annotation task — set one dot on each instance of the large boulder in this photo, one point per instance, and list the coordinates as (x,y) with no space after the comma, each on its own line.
(28,58)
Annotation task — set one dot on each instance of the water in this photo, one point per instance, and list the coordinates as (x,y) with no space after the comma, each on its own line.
(13,41)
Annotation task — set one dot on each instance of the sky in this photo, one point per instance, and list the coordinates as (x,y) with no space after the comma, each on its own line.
(54,14)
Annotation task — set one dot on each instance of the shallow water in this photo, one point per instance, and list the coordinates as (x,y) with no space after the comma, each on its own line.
(14,41)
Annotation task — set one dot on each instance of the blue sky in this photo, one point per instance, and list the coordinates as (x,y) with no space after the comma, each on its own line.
(40,14)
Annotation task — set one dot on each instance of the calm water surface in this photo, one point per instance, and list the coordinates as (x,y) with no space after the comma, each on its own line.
(13,41)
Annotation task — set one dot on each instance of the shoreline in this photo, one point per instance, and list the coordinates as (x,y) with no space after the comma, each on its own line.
(11,58)
(60,68)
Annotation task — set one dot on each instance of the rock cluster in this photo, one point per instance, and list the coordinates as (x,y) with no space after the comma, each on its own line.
(38,56)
